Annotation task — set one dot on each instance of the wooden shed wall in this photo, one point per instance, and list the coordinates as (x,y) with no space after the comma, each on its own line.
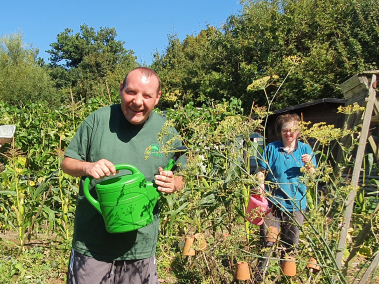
(323,112)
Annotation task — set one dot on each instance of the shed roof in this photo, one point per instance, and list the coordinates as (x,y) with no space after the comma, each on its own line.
(316,102)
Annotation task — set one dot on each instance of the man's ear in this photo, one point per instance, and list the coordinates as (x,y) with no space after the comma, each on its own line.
(158,97)
(121,86)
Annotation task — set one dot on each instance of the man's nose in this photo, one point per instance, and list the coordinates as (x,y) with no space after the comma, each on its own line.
(138,99)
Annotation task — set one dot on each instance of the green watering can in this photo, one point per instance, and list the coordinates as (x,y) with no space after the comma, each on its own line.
(127,202)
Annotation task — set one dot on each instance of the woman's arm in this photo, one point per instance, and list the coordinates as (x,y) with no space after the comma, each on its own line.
(261,180)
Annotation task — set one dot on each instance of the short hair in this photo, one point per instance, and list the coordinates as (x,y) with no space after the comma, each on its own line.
(148,72)
(281,119)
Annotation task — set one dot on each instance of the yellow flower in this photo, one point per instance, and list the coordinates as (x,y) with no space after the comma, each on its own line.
(258,84)
(296,60)
(350,109)
(21,161)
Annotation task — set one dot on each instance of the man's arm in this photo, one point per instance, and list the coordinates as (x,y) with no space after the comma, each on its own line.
(77,168)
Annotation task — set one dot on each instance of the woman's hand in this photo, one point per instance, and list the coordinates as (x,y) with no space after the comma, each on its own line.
(306,158)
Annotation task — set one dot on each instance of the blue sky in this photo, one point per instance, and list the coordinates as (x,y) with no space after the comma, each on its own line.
(144,26)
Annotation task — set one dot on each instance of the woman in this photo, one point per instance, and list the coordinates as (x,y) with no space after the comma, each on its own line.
(282,161)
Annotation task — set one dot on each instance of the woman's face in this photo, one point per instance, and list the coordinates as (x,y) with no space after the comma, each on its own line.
(289,132)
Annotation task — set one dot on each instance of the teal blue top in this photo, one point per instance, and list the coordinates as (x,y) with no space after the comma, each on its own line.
(288,193)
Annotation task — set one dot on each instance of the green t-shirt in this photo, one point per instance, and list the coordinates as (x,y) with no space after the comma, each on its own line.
(106,134)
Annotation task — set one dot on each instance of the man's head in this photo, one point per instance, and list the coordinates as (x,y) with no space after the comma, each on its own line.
(140,93)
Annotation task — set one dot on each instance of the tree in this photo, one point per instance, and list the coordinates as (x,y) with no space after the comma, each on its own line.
(322,42)
(22,79)
(189,70)
(87,62)
(333,40)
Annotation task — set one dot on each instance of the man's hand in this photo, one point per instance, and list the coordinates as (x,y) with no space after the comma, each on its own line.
(167,182)
(100,169)
(96,170)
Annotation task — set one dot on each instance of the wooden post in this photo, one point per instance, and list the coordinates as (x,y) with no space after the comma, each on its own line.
(370,269)
(357,170)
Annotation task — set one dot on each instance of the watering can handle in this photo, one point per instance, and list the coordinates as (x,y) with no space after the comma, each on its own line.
(87,181)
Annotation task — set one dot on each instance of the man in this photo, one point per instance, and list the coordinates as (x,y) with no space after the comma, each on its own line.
(113,135)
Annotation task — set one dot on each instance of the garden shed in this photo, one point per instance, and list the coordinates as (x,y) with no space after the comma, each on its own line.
(322,110)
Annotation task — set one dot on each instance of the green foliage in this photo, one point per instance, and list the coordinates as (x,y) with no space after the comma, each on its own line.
(185,70)
(90,63)
(32,166)
(209,113)
(218,180)
(22,80)
(332,40)
(38,264)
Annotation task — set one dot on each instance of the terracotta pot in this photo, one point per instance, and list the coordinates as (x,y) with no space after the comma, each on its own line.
(188,250)
(200,241)
(272,234)
(289,266)
(242,271)
(312,265)
(225,236)
(5,140)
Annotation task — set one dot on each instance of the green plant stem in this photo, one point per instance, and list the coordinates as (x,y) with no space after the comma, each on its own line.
(34,220)
(246,197)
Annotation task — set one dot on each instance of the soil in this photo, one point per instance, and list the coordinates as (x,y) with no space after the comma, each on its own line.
(10,239)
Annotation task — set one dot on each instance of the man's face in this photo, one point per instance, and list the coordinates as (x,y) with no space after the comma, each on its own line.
(139,96)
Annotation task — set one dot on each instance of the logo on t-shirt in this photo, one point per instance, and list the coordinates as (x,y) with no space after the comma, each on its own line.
(155,150)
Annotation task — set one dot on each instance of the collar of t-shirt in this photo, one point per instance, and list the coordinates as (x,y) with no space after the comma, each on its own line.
(288,152)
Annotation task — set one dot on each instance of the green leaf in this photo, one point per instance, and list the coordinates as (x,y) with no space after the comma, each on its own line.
(209,199)
(19,266)
(40,189)
(50,212)
(365,251)
(7,192)
(370,159)
(346,253)
(240,212)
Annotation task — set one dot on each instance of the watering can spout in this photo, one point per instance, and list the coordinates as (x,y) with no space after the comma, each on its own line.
(179,151)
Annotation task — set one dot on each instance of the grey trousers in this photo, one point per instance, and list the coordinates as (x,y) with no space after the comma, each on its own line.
(287,227)
(84,269)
